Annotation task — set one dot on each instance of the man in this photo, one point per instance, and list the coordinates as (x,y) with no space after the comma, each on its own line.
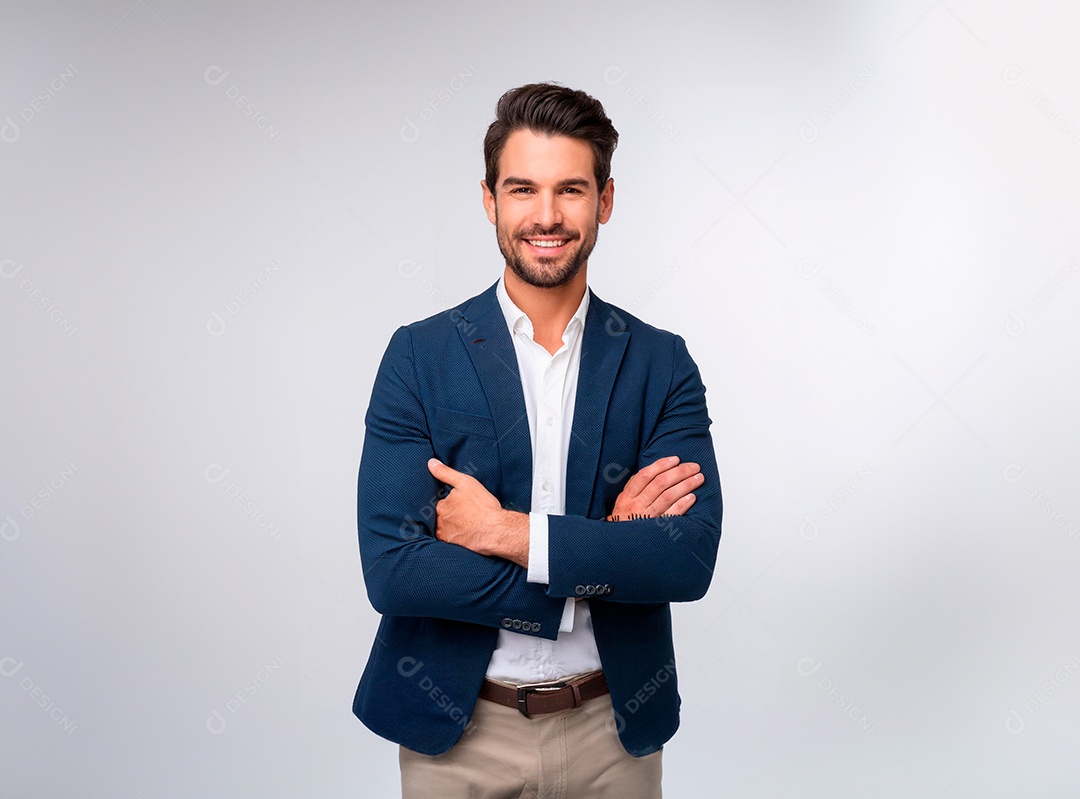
(583,497)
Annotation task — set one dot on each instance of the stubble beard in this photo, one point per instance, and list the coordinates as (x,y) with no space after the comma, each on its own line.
(543,272)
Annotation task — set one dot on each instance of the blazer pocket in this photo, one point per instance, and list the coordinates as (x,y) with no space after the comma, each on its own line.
(459,422)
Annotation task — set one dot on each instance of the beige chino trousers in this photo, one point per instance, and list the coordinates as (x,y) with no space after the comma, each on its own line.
(574,754)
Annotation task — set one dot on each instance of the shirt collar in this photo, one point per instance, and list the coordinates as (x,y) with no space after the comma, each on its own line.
(518,321)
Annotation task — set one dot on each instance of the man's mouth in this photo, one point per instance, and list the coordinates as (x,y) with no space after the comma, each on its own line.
(547,243)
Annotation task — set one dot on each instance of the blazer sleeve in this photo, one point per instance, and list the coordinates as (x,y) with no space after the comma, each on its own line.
(649,560)
(407,571)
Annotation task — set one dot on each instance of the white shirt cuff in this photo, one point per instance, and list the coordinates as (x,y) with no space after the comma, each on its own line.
(538,565)
(566,624)
(538,549)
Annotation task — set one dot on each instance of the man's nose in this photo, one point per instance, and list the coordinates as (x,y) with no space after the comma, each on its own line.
(548,214)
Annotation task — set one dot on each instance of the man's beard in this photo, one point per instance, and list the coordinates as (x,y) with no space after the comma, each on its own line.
(544,272)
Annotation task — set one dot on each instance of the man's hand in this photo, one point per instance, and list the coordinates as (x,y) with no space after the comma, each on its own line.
(663,487)
(470,516)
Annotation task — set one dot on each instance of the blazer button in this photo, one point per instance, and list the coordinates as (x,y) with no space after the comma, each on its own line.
(506,623)
(517,624)
(536,626)
(607,588)
(580,590)
(590,590)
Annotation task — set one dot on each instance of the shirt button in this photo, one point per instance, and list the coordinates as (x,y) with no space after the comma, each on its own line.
(550,421)
(546,485)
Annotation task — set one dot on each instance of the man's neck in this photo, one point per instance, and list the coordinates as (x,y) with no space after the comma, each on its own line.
(549,309)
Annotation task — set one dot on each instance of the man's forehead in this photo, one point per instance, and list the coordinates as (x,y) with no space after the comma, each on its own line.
(529,155)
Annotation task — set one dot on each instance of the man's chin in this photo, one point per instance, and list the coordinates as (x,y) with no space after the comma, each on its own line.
(543,275)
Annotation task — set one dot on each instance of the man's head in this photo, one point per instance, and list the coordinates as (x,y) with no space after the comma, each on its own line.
(548,185)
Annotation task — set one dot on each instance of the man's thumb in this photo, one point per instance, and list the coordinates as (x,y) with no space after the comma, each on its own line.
(440,471)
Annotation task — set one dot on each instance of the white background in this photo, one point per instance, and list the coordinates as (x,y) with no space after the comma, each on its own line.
(861,216)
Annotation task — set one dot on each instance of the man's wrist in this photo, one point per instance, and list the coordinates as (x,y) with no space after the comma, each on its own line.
(512,537)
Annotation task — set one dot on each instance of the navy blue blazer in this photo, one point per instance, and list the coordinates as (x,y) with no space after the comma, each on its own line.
(449,387)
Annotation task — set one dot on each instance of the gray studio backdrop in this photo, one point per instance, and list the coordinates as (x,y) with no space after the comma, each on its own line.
(861,216)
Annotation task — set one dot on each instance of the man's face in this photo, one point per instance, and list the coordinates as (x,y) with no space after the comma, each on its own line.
(546,207)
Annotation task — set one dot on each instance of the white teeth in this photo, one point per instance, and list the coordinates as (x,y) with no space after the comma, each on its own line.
(547,243)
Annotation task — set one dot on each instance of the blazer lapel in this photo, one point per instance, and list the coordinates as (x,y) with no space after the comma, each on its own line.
(486,338)
(602,349)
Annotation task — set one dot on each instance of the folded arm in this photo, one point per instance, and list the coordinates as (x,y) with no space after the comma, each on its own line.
(651,560)
(658,544)
(407,570)
(471,516)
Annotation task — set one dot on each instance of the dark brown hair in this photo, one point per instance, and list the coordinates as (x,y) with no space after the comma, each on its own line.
(553,110)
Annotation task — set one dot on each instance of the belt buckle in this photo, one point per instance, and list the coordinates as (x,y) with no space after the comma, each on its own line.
(523,692)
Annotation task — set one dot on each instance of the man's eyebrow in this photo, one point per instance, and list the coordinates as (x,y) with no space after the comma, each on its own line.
(514,181)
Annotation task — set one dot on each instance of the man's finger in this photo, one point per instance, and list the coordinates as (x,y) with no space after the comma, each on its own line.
(636,484)
(669,499)
(668,479)
(446,474)
(682,505)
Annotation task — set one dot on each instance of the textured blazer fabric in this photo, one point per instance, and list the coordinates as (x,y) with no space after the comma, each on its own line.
(448,387)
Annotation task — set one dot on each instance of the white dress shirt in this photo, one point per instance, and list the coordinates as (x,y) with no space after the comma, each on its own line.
(549,383)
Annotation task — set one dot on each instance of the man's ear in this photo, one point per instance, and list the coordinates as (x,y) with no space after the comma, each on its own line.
(489,201)
(607,198)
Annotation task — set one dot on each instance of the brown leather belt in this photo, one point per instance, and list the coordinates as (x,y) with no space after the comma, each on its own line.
(535,699)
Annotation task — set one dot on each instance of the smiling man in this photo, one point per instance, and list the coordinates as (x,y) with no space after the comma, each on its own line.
(537,485)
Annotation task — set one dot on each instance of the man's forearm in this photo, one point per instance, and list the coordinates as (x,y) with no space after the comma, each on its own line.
(506,535)
(645,561)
